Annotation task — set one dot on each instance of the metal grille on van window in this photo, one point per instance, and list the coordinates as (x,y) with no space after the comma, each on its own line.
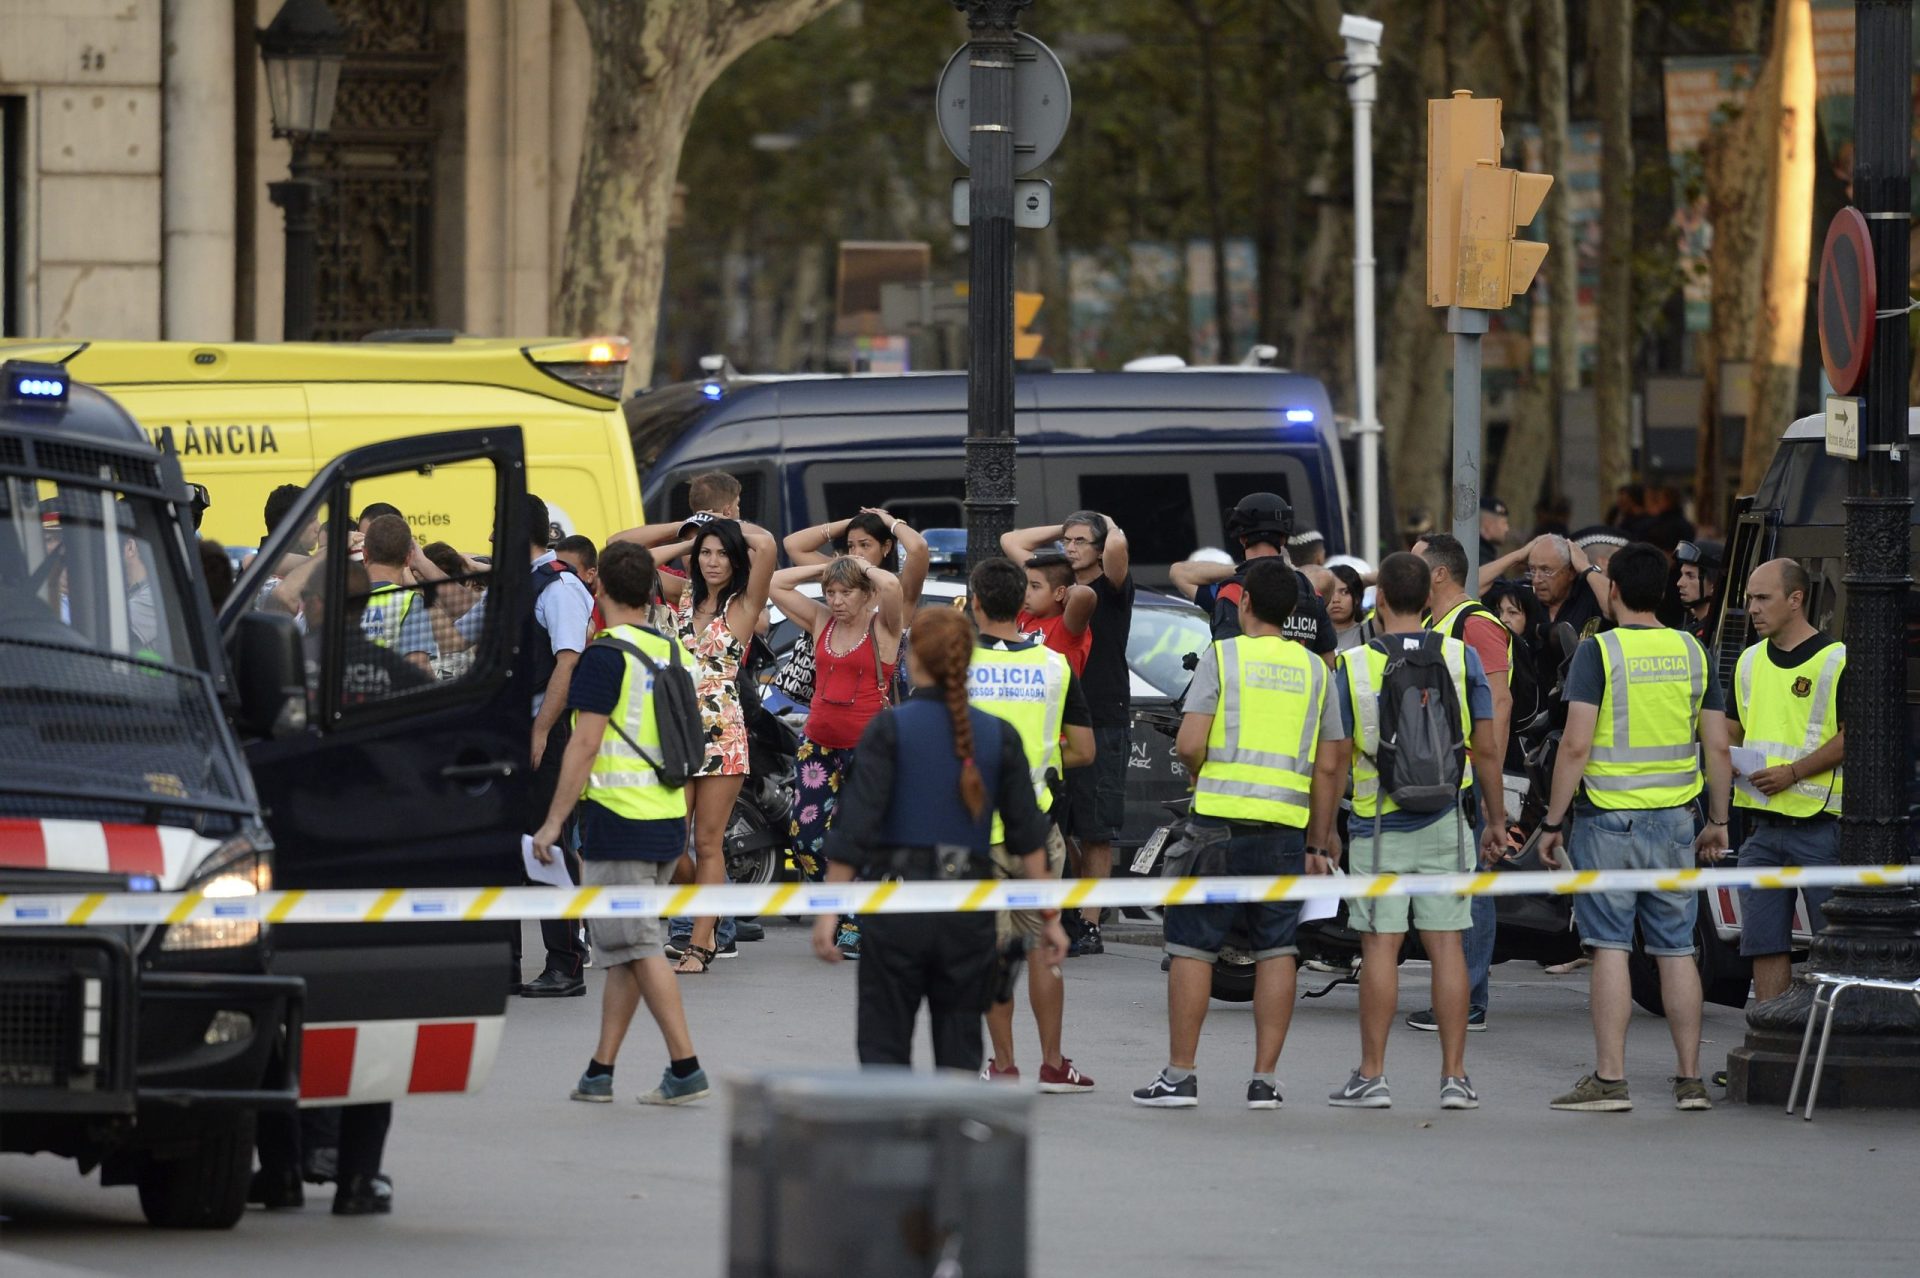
(13,452)
(1735,630)
(96,464)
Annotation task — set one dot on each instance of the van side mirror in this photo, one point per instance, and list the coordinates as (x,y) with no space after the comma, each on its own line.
(270,674)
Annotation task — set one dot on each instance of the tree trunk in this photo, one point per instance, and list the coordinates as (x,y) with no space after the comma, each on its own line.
(1613,380)
(1787,242)
(1736,191)
(1527,462)
(652,62)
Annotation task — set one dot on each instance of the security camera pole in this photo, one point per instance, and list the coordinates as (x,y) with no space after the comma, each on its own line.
(1362,36)
(1474,266)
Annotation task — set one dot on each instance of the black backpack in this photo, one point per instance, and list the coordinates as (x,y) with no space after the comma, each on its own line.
(1522,681)
(676,710)
(1422,754)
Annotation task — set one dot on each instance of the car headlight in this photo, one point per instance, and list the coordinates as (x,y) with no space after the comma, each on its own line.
(239,868)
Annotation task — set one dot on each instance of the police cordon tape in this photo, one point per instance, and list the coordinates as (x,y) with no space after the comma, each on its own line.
(478,904)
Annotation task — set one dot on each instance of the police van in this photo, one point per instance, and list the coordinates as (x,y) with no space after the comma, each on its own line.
(1165,452)
(245,418)
(148,746)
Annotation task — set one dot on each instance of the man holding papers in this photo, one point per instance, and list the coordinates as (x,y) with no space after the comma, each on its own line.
(1785,717)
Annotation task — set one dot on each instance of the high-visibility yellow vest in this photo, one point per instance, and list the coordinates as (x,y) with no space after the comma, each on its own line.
(388,606)
(1259,764)
(1788,714)
(1366,670)
(621,781)
(1445,626)
(1646,751)
(1026,687)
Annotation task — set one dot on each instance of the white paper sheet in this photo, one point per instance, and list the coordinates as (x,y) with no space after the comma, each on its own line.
(1746,762)
(1321,907)
(554,875)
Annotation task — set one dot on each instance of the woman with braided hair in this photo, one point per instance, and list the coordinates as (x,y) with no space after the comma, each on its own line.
(919,804)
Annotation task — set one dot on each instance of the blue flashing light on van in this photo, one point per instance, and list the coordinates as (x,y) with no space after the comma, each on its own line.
(1300,416)
(32,383)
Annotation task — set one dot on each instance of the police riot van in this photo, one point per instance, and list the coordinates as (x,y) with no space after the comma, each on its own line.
(147,747)
(1164,452)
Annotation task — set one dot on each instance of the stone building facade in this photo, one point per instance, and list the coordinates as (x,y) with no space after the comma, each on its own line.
(136,149)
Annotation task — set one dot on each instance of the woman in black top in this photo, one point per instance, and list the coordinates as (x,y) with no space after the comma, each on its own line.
(920,805)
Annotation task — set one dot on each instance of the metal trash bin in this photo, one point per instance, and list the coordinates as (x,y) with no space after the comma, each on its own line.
(879,1173)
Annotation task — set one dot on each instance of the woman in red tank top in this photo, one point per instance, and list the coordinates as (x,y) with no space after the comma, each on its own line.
(856,646)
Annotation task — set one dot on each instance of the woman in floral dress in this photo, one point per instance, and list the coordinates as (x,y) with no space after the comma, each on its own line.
(720,603)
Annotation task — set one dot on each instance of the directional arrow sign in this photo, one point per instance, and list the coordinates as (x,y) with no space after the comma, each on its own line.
(1843,427)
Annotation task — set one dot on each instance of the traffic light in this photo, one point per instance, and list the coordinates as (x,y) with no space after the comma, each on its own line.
(1025,307)
(1495,268)
(1462,131)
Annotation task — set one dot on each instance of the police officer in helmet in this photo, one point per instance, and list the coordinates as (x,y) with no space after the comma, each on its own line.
(1259,524)
(929,778)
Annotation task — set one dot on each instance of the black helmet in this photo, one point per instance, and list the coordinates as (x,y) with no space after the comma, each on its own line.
(1261,513)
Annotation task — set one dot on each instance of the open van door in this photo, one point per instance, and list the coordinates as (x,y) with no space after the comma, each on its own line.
(410,767)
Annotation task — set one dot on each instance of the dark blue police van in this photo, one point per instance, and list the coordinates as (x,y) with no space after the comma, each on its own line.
(1166,453)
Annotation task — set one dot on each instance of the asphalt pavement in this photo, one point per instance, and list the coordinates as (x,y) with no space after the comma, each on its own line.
(519,1180)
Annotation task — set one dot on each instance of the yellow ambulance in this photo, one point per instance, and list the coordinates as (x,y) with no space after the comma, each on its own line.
(246,417)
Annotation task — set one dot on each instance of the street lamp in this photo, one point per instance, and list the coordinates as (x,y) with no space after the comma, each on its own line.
(1868,930)
(990,445)
(303,49)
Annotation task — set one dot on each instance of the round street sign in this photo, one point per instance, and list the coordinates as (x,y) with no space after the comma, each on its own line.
(1042,103)
(1847,301)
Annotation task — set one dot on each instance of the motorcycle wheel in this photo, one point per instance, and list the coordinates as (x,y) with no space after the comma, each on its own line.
(1233,977)
(755,851)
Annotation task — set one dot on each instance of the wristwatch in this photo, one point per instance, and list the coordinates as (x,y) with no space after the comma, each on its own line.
(1589,570)
(1552,827)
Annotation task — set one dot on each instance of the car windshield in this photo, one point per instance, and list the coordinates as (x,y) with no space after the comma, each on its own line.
(100,694)
(1162,637)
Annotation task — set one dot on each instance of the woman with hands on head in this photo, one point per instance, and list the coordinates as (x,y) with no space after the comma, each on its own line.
(856,629)
(720,603)
(874,536)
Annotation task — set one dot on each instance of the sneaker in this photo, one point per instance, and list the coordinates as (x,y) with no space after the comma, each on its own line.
(593,1087)
(1690,1093)
(1088,942)
(1262,1094)
(1063,1079)
(1458,1093)
(729,950)
(847,940)
(677,1091)
(991,1073)
(1362,1092)
(1592,1096)
(1160,1094)
(1476,1021)
(676,947)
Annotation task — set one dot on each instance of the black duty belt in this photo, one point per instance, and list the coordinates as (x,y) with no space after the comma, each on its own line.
(919,864)
(1764,816)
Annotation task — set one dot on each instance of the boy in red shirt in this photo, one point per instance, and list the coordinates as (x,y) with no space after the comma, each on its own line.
(1058,609)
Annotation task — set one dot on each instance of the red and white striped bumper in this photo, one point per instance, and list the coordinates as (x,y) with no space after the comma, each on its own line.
(355,1063)
(168,853)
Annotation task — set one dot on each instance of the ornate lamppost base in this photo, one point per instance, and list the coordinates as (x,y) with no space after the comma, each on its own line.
(1874,1059)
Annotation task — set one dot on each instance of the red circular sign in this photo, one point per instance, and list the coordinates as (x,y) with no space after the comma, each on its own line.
(1847,301)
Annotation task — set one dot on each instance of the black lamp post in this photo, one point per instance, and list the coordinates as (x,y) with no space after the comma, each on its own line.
(990,443)
(303,49)
(1868,931)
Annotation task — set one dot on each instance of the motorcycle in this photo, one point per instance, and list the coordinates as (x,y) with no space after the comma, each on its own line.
(756,842)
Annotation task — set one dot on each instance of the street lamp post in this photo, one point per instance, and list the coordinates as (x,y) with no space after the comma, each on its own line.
(990,445)
(302,48)
(1869,931)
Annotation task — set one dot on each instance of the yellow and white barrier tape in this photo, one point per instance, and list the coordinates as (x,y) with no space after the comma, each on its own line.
(474,904)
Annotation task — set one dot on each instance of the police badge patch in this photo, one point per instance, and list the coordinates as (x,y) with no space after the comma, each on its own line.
(1803,687)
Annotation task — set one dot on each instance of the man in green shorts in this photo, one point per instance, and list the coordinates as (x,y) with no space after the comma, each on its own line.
(1386,838)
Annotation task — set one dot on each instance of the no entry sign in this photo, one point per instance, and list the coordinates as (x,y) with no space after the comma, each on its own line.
(1847,301)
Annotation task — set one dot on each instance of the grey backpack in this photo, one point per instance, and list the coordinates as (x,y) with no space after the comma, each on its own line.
(1423,753)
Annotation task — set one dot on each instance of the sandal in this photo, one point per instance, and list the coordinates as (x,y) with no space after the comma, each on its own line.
(698,953)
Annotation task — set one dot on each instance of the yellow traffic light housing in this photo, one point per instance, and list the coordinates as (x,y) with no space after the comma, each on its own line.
(1025,307)
(1462,131)
(1493,267)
